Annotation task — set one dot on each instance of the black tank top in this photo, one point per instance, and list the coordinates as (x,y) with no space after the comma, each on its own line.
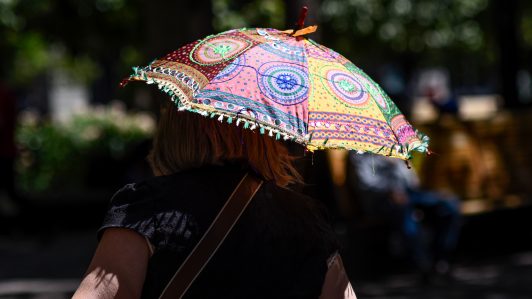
(278,249)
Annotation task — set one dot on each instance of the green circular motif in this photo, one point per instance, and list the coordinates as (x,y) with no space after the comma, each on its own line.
(346,85)
(218,49)
(342,89)
(376,92)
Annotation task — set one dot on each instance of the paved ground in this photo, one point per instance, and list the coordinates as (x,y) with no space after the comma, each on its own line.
(49,267)
(44,255)
(498,278)
(43,266)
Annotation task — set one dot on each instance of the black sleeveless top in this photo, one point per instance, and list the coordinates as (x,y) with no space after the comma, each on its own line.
(278,248)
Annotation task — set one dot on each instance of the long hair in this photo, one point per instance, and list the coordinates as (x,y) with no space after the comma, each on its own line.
(187,140)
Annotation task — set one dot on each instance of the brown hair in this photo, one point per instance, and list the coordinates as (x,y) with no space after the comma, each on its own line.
(187,140)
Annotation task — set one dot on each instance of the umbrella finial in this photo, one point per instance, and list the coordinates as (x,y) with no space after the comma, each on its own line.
(123,83)
(299,31)
(302,15)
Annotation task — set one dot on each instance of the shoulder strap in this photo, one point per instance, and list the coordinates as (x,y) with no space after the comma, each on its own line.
(213,237)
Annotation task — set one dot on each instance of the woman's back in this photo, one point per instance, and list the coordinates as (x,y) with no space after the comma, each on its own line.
(278,249)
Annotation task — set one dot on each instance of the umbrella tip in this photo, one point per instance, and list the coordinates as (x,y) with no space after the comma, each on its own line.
(302,16)
(124,82)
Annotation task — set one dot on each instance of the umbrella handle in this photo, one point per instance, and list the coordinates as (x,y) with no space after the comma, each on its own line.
(302,15)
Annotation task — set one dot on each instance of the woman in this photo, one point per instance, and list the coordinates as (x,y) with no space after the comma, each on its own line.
(278,249)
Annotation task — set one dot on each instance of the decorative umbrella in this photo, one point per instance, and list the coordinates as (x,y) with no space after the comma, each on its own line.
(287,86)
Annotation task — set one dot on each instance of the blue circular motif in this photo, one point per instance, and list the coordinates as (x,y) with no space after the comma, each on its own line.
(230,71)
(284,83)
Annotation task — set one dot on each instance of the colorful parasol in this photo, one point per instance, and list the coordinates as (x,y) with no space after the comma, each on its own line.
(287,86)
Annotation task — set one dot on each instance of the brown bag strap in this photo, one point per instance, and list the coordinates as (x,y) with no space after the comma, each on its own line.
(213,238)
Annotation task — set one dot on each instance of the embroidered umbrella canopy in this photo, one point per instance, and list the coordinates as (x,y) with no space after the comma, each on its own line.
(287,86)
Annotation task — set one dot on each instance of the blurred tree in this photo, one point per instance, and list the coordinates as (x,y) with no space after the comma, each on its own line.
(171,24)
(419,32)
(506,14)
(95,41)
(526,69)
(79,36)
(168,25)
(526,25)
(412,25)
(230,14)
(458,34)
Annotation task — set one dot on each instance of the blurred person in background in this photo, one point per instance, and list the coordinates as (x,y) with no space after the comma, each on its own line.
(390,189)
(8,207)
(435,85)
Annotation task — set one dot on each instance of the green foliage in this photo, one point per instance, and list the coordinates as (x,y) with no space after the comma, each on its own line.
(30,56)
(526,25)
(79,37)
(415,34)
(258,13)
(59,153)
(411,25)
(46,153)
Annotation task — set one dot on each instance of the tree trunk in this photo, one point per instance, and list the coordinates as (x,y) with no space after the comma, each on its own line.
(507,17)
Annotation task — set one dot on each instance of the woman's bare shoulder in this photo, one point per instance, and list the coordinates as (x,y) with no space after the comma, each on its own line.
(118,267)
